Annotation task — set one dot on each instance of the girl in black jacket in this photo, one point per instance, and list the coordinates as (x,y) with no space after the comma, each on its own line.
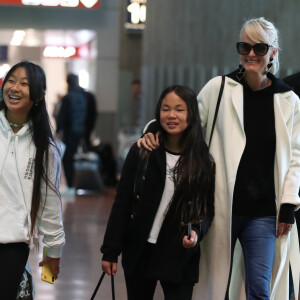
(159,193)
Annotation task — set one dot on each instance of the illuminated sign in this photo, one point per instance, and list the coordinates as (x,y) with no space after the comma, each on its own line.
(65,52)
(136,15)
(54,3)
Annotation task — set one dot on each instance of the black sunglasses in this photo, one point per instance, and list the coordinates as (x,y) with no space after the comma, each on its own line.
(259,49)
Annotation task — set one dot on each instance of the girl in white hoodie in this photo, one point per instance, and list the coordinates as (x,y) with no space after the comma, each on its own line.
(29,176)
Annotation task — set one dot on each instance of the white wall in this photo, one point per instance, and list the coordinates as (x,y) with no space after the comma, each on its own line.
(55,70)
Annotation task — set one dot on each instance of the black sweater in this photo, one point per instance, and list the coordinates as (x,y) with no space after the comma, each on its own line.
(254,193)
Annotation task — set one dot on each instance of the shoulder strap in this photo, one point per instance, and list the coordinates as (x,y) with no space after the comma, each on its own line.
(217,108)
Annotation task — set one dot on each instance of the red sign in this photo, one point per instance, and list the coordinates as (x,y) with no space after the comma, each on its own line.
(54,3)
(66,52)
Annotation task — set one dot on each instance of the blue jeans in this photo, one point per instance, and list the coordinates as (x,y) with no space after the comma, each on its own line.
(291,284)
(257,236)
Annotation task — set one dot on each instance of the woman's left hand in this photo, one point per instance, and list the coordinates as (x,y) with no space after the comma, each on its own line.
(283,229)
(190,243)
(53,264)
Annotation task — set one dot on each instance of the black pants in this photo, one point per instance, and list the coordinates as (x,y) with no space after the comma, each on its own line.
(13,258)
(72,141)
(139,286)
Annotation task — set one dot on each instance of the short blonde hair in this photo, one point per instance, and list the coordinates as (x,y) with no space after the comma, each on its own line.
(262,31)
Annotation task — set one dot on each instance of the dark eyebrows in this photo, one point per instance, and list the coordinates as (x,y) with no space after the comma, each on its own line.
(176,106)
(23,78)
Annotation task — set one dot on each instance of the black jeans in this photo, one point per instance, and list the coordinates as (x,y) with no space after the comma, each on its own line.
(139,286)
(13,258)
(72,141)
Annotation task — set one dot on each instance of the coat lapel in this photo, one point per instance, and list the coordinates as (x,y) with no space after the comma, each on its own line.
(238,103)
(283,110)
(283,105)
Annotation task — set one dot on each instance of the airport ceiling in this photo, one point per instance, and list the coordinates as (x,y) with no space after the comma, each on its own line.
(40,38)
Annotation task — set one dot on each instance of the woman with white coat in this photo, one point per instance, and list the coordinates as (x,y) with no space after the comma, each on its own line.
(256,147)
(30,167)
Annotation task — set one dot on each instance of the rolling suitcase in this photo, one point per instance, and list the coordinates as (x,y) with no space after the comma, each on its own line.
(87,177)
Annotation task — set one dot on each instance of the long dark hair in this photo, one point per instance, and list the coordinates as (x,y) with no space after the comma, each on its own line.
(195,170)
(41,132)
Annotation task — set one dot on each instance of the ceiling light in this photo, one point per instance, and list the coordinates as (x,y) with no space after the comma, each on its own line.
(17,38)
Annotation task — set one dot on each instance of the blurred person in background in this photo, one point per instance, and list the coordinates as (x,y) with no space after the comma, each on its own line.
(256,146)
(71,122)
(30,175)
(136,94)
(294,82)
(91,118)
(56,108)
(159,193)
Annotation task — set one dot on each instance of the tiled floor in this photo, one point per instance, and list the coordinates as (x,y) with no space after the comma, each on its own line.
(85,220)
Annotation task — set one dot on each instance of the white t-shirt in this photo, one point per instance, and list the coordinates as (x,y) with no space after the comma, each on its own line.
(166,197)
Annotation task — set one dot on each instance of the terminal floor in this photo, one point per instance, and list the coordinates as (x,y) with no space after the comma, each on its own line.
(85,219)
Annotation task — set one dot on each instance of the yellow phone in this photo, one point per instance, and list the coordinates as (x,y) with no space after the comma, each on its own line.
(46,271)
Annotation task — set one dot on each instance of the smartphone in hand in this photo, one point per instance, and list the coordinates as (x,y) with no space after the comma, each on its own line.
(46,271)
(189,230)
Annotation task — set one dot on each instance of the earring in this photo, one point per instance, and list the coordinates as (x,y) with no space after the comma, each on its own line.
(241,72)
(270,64)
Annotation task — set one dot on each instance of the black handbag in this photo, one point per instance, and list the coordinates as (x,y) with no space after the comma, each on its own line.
(99,283)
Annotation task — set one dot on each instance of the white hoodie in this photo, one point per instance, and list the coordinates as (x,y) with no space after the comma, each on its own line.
(49,219)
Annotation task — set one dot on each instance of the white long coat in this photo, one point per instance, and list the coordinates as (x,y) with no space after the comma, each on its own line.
(227,147)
